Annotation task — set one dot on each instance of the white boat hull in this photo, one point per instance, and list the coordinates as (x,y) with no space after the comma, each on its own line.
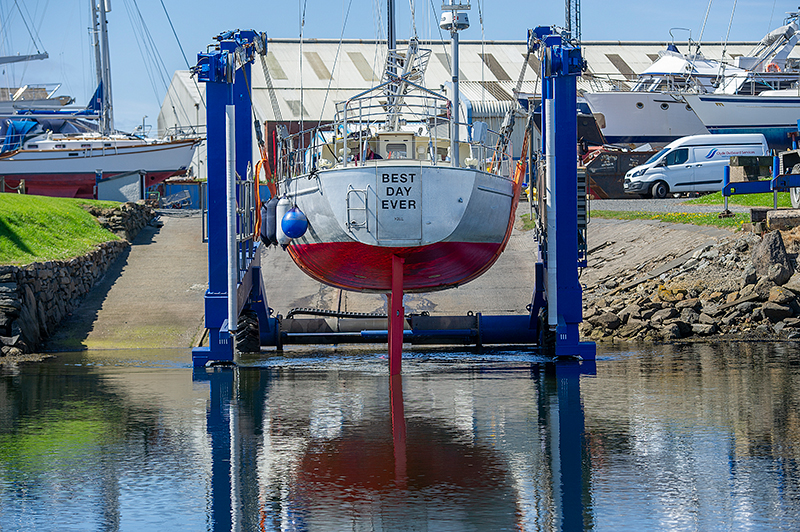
(641,117)
(773,116)
(73,171)
(448,224)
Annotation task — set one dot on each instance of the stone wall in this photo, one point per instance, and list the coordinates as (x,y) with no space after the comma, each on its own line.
(35,298)
(126,220)
(745,287)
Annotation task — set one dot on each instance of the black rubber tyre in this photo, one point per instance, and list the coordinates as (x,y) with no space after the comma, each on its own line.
(794,192)
(247,334)
(547,338)
(659,190)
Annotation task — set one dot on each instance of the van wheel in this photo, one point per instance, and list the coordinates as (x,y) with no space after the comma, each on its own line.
(659,190)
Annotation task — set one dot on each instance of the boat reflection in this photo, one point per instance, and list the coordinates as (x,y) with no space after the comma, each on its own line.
(332,450)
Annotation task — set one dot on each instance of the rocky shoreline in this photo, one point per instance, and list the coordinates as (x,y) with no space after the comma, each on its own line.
(34,298)
(742,287)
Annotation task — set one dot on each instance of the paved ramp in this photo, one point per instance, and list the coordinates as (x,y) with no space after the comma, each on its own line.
(505,289)
(152,297)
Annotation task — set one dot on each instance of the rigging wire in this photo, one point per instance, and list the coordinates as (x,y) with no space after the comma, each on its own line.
(483,51)
(147,46)
(300,111)
(377,25)
(771,15)
(703,27)
(441,38)
(730,23)
(413,19)
(335,61)
(25,21)
(180,46)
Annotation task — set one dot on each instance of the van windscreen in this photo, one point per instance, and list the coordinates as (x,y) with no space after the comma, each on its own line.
(657,156)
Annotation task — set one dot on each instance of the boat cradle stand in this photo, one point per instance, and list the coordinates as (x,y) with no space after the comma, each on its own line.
(557,292)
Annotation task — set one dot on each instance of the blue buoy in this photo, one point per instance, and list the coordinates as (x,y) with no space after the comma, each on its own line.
(294,223)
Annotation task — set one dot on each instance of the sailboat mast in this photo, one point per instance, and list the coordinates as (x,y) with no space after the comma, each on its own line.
(107,113)
(454,21)
(98,65)
(391,39)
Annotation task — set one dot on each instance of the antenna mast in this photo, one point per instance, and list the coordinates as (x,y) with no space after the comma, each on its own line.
(573,18)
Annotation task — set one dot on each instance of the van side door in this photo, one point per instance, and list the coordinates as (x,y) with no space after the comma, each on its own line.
(679,170)
(709,168)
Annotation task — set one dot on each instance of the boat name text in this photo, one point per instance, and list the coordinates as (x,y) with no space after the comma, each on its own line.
(390,191)
(398,178)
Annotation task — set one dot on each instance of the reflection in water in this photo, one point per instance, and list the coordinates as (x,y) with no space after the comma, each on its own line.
(332,451)
(699,438)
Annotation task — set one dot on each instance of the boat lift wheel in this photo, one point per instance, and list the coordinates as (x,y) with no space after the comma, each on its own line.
(547,337)
(247,333)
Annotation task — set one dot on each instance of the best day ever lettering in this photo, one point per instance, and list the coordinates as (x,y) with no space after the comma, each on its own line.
(398,191)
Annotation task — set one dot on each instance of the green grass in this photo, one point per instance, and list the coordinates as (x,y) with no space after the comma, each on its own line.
(747,200)
(38,228)
(527,222)
(735,222)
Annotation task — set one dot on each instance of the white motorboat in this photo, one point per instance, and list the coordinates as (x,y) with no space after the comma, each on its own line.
(661,105)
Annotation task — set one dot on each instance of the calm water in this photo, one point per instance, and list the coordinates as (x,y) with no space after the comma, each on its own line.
(701,438)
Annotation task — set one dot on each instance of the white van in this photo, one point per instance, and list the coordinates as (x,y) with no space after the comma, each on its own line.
(691,164)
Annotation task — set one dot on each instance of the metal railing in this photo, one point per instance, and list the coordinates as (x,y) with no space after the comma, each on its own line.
(246,208)
(19,189)
(418,112)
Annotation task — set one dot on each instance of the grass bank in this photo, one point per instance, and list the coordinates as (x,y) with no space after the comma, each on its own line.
(746,200)
(38,228)
(734,222)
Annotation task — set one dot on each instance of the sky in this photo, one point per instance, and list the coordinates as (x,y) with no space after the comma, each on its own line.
(143,60)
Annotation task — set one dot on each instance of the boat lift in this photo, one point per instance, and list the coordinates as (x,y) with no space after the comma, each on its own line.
(235,281)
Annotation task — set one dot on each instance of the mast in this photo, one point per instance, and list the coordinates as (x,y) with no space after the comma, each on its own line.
(454,21)
(98,65)
(107,112)
(391,41)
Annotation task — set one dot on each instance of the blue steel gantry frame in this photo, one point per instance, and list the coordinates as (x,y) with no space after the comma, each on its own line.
(226,72)
(233,264)
(558,301)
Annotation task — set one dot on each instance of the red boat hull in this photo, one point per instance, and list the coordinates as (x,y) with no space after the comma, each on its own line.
(79,185)
(360,267)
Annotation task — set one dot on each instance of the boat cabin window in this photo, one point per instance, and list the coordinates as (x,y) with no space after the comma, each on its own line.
(86,145)
(396,150)
(60,146)
(32,146)
(677,157)
(107,145)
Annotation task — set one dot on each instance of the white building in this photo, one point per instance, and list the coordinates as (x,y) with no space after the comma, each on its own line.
(331,71)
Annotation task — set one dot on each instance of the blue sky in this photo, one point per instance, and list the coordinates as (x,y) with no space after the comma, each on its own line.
(61,28)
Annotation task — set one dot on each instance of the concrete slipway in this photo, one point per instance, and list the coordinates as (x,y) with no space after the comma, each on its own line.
(152,298)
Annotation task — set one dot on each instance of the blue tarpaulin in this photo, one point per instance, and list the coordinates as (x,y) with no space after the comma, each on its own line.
(15,134)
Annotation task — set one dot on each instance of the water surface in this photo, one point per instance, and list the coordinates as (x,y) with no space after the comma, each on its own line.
(698,437)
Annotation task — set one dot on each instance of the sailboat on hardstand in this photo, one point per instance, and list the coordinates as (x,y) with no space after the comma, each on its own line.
(394,198)
(65,152)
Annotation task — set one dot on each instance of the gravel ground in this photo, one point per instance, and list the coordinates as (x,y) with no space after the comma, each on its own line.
(659,205)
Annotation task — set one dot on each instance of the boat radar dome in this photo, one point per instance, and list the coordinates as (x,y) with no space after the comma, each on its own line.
(294,223)
(453,20)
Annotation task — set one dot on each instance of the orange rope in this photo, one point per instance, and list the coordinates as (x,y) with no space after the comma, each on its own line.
(263,163)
